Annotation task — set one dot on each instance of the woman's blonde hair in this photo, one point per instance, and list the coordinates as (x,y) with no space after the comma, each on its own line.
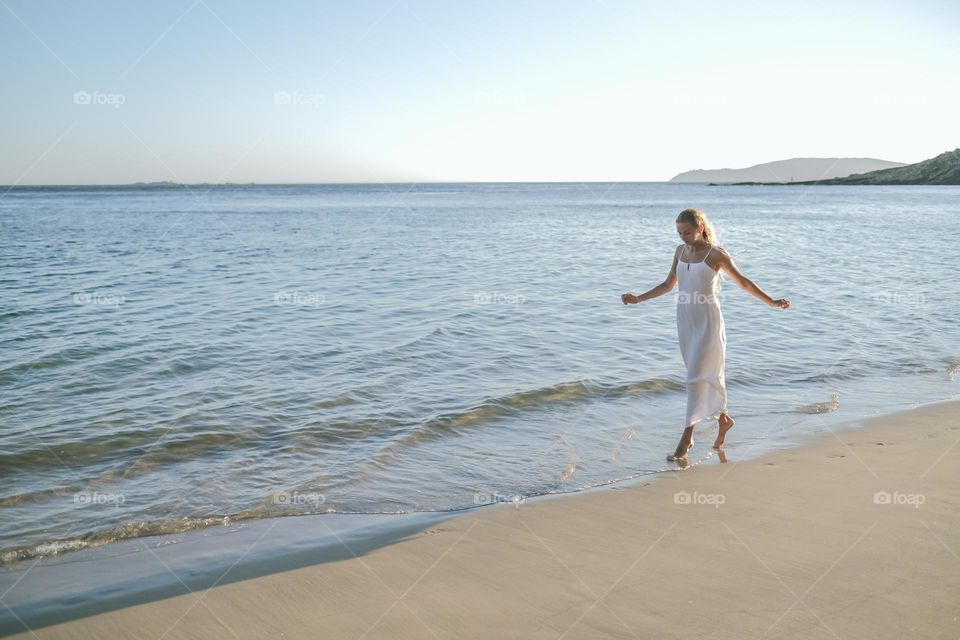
(695,217)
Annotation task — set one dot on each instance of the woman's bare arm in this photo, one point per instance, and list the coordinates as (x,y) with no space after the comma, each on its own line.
(664,287)
(726,263)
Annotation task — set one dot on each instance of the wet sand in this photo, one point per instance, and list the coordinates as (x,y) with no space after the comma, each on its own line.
(853,534)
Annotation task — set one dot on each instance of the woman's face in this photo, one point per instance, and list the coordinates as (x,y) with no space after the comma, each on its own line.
(688,233)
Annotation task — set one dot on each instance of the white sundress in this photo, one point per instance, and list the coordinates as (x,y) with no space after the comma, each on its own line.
(703,339)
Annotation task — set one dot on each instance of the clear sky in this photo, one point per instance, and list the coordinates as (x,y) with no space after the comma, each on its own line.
(405,90)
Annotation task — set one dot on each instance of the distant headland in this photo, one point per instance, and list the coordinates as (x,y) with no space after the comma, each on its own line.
(943,169)
(787,170)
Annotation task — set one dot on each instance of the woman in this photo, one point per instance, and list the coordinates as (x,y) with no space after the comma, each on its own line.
(696,266)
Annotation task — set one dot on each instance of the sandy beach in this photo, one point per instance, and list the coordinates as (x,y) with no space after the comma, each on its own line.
(854,534)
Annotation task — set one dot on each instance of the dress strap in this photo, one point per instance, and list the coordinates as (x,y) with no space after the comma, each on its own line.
(708,253)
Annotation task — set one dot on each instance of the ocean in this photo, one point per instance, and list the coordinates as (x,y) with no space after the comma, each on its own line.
(182,358)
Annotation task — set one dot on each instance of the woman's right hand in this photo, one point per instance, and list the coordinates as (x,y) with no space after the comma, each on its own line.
(629,298)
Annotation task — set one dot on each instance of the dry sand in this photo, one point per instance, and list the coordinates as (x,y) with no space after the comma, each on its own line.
(854,534)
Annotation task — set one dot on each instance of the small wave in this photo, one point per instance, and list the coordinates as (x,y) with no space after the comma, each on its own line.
(821,407)
(27,497)
(953,368)
(572,460)
(568,471)
(630,432)
(830,375)
(567,391)
(146,449)
(402,348)
(493,409)
(340,400)
(50,360)
(554,394)
(126,531)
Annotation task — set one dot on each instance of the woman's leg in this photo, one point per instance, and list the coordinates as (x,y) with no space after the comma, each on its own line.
(726,423)
(686,443)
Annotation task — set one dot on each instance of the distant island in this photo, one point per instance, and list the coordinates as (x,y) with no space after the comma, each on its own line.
(166,184)
(943,169)
(787,171)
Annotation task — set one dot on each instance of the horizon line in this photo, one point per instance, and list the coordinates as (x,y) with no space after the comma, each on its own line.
(163,183)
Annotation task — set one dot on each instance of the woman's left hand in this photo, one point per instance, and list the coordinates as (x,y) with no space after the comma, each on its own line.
(782,303)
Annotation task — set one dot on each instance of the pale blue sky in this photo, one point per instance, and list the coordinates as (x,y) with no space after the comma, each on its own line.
(403,90)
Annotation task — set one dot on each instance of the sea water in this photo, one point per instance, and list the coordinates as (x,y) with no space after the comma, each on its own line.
(175,358)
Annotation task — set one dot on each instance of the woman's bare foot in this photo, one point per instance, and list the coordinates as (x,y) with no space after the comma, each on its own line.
(685,444)
(678,455)
(726,423)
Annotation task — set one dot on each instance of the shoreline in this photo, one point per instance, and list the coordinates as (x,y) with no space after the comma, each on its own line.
(798,542)
(86,547)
